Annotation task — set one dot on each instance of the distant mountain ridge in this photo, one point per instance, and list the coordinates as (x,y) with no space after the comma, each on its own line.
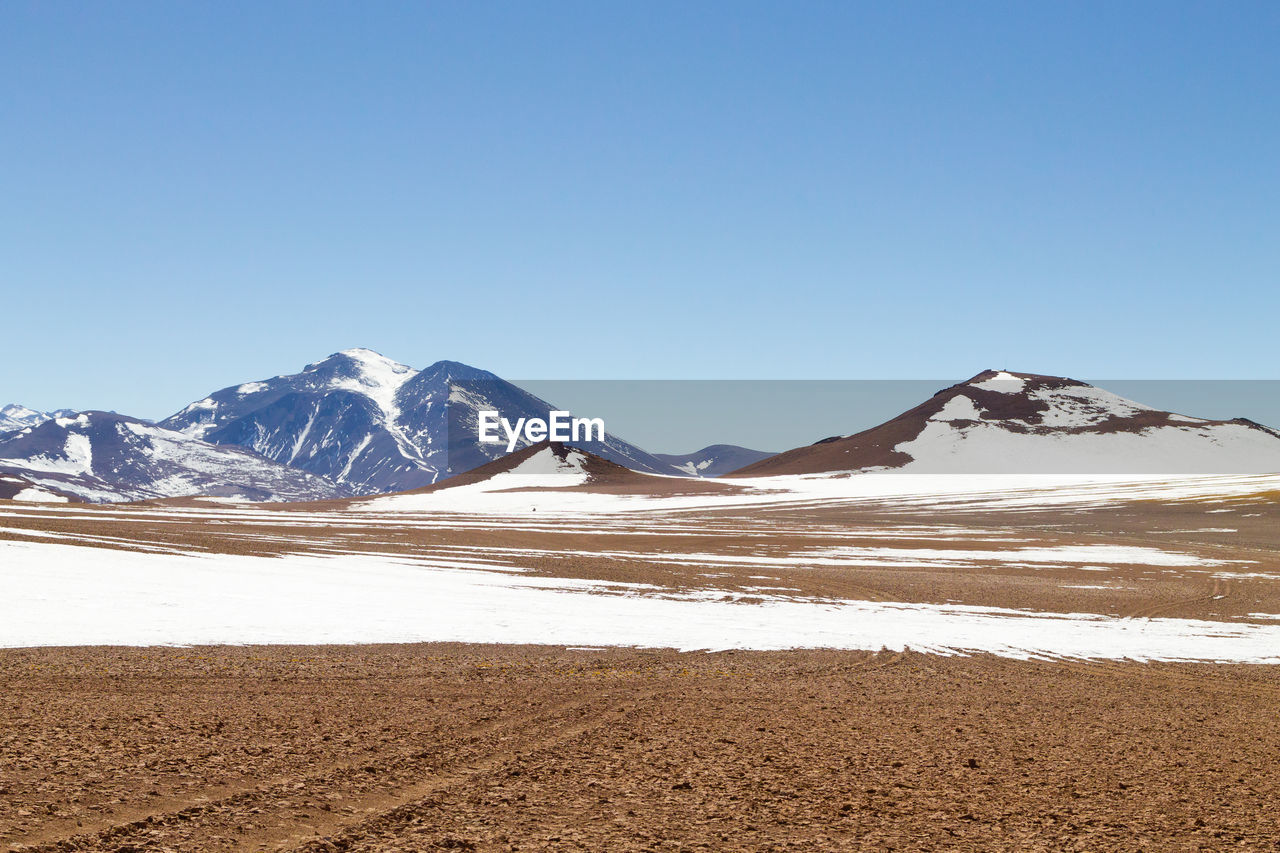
(15,417)
(105,457)
(357,423)
(715,460)
(1000,422)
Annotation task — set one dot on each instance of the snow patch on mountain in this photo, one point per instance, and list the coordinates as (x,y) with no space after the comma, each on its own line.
(958,408)
(378,378)
(1084,430)
(74,458)
(1083,405)
(1002,381)
(546,463)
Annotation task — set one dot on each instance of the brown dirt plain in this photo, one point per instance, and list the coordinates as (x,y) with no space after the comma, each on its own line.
(487,748)
(500,748)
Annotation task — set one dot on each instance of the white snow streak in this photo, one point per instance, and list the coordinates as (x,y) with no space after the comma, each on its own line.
(52,594)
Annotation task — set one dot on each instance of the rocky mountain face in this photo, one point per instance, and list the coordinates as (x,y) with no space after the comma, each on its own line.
(1021,423)
(714,461)
(104,457)
(373,425)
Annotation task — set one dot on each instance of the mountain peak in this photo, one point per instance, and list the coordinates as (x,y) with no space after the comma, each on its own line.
(366,360)
(1012,382)
(456,371)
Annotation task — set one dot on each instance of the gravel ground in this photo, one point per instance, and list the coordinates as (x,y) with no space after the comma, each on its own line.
(497,748)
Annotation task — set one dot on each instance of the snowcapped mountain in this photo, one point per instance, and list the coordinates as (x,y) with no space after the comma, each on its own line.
(336,419)
(374,425)
(14,417)
(714,461)
(103,457)
(1023,423)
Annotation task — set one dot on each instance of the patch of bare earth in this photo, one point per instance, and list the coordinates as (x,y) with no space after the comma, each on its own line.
(446,747)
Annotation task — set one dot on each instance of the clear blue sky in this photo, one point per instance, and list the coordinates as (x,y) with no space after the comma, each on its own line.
(194,195)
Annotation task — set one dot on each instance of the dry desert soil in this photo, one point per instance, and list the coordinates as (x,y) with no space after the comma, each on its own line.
(502,748)
(498,748)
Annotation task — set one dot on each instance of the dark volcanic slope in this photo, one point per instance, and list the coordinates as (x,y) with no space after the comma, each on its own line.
(1000,422)
(558,459)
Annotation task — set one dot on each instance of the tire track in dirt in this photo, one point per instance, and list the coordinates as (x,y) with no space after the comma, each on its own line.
(57,831)
(1245,690)
(1221,589)
(233,802)
(390,811)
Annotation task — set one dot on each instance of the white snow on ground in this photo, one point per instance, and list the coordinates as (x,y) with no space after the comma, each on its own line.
(882,557)
(53,594)
(1058,555)
(1006,383)
(33,494)
(939,491)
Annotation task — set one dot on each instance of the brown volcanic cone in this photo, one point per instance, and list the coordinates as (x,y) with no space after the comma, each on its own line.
(1019,404)
(597,468)
(601,475)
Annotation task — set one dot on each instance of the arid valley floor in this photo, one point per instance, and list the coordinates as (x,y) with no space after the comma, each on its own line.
(1078,668)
